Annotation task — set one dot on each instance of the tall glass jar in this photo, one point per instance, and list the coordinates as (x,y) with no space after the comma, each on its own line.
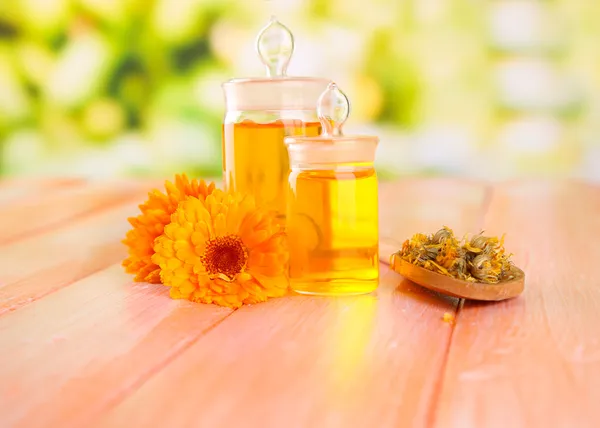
(260,113)
(332,206)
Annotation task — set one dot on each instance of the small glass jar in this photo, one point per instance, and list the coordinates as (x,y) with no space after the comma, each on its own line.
(332,206)
(260,113)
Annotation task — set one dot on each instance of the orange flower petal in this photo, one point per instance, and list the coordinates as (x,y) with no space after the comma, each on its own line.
(226,226)
(220,225)
(155,215)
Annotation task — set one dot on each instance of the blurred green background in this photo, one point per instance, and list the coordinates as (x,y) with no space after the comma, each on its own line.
(488,88)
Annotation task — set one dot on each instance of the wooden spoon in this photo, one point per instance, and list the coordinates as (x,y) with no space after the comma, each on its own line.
(459,288)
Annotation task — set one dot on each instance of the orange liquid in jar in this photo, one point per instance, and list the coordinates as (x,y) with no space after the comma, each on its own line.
(255,158)
(332,225)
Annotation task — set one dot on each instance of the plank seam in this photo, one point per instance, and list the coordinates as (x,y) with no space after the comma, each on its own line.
(121,200)
(485,205)
(153,371)
(439,384)
(28,193)
(19,305)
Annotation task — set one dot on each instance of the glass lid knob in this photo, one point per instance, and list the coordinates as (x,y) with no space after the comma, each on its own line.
(333,109)
(275,45)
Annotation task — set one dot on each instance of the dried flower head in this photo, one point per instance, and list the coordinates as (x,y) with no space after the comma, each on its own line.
(442,235)
(479,259)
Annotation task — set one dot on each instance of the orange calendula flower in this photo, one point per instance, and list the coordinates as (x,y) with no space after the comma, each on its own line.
(223,251)
(156,214)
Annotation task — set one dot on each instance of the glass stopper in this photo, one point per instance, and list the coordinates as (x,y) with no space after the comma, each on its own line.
(275,45)
(333,109)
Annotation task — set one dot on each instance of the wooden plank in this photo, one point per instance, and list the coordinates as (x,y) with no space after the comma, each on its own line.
(66,357)
(29,182)
(533,361)
(43,211)
(410,206)
(301,361)
(16,189)
(36,266)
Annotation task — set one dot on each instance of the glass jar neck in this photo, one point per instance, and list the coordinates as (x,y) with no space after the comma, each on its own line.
(283,93)
(323,153)
(338,167)
(271,116)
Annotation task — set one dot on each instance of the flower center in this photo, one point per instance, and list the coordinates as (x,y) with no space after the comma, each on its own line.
(225,257)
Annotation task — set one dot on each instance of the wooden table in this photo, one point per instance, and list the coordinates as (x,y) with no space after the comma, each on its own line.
(83,346)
